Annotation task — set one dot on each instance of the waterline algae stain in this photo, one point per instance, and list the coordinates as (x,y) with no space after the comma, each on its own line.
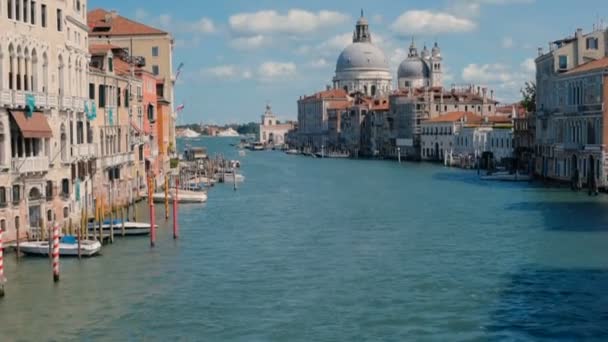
(336,250)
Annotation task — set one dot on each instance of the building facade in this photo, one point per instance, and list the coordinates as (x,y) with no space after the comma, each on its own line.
(153,48)
(313,116)
(571,110)
(272,131)
(44,161)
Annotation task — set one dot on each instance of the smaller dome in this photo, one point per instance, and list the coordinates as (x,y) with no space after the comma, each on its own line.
(425,53)
(436,52)
(413,67)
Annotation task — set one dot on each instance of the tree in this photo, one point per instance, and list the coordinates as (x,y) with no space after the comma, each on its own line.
(529,97)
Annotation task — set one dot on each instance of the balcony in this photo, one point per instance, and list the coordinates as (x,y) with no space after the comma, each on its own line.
(30,164)
(117,159)
(84,151)
(65,102)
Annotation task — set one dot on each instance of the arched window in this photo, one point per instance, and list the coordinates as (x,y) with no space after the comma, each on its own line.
(64,143)
(373,90)
(60,76)
(45,73)
(34,194)
(11,67)
(34,75)
(26,67)
(2,145)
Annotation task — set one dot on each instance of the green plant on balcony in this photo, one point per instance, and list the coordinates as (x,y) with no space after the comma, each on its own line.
(173,162)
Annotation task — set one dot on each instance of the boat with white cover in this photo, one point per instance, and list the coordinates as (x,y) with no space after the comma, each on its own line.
(183,196)
(68,246)
(131,228)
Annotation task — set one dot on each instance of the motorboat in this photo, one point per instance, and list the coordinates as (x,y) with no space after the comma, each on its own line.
(507,177)
(292,151)
(229,177)
(131,228)
(68,246)
(183,196)
(256,146)
(333,154)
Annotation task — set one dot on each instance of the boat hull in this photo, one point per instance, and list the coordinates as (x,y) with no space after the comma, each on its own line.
(41,248)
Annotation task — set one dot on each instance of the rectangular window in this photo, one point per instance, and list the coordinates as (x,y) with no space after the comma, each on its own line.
(592,44)
(49,190)
(155,70)
(59,20)
(33,12)
(91,91)
(18,10)
(9,8)
(102,96)
(2,197)
(127,98)
(563,62)
(155,51)
(43,15)
(118,98)
(25,12)
(65,187)
(110,64)
(16,194)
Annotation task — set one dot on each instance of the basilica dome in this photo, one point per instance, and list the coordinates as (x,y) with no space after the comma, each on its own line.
(362,56)
(413,67)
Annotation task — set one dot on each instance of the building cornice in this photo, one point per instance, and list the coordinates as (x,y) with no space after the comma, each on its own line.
(77,23)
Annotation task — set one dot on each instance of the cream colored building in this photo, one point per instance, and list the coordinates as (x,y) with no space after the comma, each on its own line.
(271,130)
(156,48)
(44,166)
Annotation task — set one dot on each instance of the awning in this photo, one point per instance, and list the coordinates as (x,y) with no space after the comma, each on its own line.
(34,127)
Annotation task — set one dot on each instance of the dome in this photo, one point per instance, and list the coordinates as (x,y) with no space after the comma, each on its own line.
(413,67)
(362,56)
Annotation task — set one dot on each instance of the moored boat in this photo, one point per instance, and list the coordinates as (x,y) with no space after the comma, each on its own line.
(131,228)
(507,177)
(68,246)
(292,151)
(183,196)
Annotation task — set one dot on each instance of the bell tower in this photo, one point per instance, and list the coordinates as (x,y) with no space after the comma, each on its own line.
(436,67)
(361,33)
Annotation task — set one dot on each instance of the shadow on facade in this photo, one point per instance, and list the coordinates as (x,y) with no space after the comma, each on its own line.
(569,216)
(553,304)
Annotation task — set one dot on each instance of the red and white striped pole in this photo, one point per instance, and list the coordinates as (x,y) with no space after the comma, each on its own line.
(2,279)
(175,220)
(56,252)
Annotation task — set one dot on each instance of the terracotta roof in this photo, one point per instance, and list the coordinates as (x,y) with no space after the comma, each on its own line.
(498,119)
(332,93)
(117,25)
(338,105)
(121,67)
(96,49)
(456,116)
(597,64)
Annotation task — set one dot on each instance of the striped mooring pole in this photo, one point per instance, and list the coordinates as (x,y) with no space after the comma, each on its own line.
(175,218)
(56,252)
(2,279)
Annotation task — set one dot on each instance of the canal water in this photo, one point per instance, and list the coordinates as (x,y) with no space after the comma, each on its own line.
(336,250)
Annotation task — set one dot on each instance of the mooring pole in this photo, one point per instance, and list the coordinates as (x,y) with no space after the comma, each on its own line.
(166,197)
(56,252)
(2,279)
(175,218)
(152,214)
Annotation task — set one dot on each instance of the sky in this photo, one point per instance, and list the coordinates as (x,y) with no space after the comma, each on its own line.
(239,55)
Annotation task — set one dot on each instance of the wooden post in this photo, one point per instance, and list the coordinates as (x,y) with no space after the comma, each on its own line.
(123,219)
(111,213)
(100,221)
(2,279)
(134,212)
(70,227)
(18,247)
(166,197)
(56,252)
(78,238)
(175,218)
(152,214)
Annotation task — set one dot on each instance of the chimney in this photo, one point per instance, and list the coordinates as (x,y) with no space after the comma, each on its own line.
(328,87)
(540,51)
(492,94)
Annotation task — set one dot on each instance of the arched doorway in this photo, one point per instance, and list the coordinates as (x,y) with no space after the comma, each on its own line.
(271,138)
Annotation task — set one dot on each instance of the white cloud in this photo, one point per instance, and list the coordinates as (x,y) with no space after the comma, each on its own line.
(506,80)
(335,44)
(140,14)
(507,42)
(377,18)
(472,8)
(203,25)
(272,70)
(529,65)
(226,72)
(249,43)
(319,63)
(427,22)
(295,21)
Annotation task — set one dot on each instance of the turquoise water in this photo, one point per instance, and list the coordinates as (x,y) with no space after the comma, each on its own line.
(336,250)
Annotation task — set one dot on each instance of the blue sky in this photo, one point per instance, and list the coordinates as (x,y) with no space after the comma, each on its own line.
(240,54)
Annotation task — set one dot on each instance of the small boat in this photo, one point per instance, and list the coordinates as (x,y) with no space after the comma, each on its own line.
(131,228)
(507,177)
(333,155)
(256,146)
(68,246)
(228,177)
(292,151)
(183,196)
